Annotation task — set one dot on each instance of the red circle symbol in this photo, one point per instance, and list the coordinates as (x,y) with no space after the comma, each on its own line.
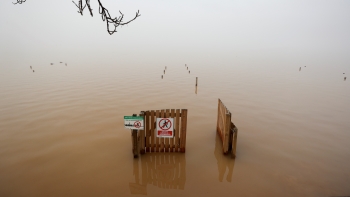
(137,124)
(164,124)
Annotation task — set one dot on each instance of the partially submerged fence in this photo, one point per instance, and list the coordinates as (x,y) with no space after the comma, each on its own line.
(147,140)
(226,129)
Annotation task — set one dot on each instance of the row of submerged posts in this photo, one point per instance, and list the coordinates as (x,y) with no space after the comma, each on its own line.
(165,130)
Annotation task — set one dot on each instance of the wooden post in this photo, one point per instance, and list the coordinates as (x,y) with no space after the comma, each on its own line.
(135,143)
(234,143)
(227,128)
(183,130)
(142,134)
(196,81)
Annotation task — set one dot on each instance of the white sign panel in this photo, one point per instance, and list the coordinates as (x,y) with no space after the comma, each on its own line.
(133,122)
(165,127)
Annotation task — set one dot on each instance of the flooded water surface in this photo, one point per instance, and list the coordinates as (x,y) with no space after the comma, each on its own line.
(279,67)
(62,131)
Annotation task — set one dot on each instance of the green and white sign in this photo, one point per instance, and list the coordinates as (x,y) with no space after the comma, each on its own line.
(133,122)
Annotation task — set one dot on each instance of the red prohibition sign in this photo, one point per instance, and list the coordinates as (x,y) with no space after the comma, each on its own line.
(164,124)
(137,124)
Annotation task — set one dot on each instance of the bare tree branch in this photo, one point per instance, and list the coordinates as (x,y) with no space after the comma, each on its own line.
(116,22)
(80,6)
(19,2)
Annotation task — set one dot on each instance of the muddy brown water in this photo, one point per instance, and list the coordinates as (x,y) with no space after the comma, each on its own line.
(62,133)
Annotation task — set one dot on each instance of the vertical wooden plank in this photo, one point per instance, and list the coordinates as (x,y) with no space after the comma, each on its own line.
(234,143)
(147,131)
(183,130)
(157,138)
(177,130)
(162,115)
(172,115)
(223,122)
(142,134)
(227,132)
(218,118)
(153,145)
(167,140)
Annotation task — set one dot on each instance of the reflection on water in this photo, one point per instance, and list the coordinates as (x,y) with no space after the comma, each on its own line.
(223,161)
(195,89)
(163,170)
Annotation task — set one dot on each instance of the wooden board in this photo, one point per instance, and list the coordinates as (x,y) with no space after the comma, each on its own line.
(177,130)
(172,115)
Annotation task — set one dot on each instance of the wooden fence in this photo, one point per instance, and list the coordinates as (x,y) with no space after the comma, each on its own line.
(147,140)
(162,170)
(226,129)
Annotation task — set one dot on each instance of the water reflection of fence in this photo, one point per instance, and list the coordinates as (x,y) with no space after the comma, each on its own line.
(223,162)
(152,143)
(162,170)
(226,129)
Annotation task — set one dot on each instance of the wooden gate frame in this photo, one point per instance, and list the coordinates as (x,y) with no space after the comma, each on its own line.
(147,141)
(226,129)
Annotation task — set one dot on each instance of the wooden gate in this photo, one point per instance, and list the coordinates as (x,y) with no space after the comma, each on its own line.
(226,129)
(149,142)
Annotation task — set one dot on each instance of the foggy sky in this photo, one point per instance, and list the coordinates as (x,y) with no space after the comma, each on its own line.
(199,32)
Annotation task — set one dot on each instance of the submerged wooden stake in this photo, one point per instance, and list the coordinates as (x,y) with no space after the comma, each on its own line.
(196,81)
(134,142)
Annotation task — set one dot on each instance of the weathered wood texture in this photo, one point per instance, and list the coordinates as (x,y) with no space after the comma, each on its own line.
(155,144)
(226,129)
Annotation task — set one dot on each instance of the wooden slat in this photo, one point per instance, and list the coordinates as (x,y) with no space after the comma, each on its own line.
(177,130)
(167,140)
(227,133)
(183,130)
(152,142)
(223,121)
(218,117)
(172,115)
(157,138)
(147,131)
(162,114)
